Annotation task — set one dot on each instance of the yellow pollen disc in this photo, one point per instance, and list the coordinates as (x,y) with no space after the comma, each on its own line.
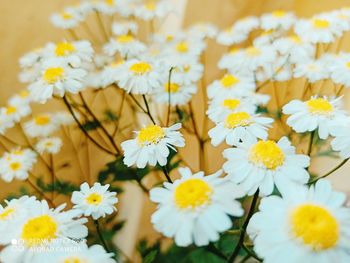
(267,153)
(52,75)
(237,119)
(182,47)
(315,226)
(172,88)
(66,16)
(319,106)
(151,6)
(125,39)
(151,134)
(192,193)
(6,213)
(279,13)
(231,104)
(15,166)
(186,68)
(39,230)
(253,51)
(48,144)
(228,81)
(267,32)
(233,50)
(320,23)
(17,152)
(64,49)
(42,120)
(24,94)
(348,64)
(94,199)
(169,38)
(10,110)
(109,2)
(141,68)
(74,260)
(296,39)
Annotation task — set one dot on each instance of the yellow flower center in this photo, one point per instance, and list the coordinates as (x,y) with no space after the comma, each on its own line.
(141,68)
(74,260)
(182,47)
(192,193)
(233,50)
(237,119)
(169,38)
(253,51)
(320,23)
(94,199)
(64,49)
(231,104)
(319,106)
(15,166)
(228,81)
(52,75)
(186,68)
(66,16)
(296,39)
(151,134)
(109,2)
(42,120)
(10,110)
(172,88)
(24,94)
(279,13)
(267,153)
(348,65)
(39,230)
(125,39)
(151,6)
(315,226)
(6,213)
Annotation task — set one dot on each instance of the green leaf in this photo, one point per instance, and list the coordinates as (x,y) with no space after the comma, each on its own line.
(110,115)
(61,187)
(150,257)
(90,125)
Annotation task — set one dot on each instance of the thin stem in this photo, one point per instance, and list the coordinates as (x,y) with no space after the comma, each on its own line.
(244,228)
(211,248)
(166,173)
(148,110)
(100,23)
(100,125)
(169,97)
(251,253)
(312,135)
(330,172)
(98,230)
(41,193)
(137,103)
(119,115)
(83,129)
(53,176)
(73,34)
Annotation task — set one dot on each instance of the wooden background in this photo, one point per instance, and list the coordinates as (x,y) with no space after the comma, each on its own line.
(25,26)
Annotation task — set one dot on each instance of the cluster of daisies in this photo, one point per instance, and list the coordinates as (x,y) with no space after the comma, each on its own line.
(31,231)
(296,213)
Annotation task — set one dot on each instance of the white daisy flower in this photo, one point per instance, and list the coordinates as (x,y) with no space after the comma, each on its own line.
(16,109)
(15,211)
(152,9)
(151,146)
(125,45)
(141,76)
(29,75)
(278,19)
(17,164)
(67,19)
(188,72)
(238,127)
(5,123)
(73,53)
(179,94)
(22,97)
(317,113)
(64,118)
(248,59)
(203,30)
(56,78)
(96,201)
(317,29)
(110,73)
(184,50)
(124,28)
(29,59)
(74,252)
(42,226)
(195,209)
(231,84)
(41,125)
(231,36)
(247,24)
(311,224)
(312,70)
(340,69)
(279,70)
(341,142)
(107,7)
(295,48)
(262,164)
(220,107)
(50,145)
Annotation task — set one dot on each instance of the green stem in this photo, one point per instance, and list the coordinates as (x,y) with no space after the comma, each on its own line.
(98,229)
(148,110)
(330,172)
